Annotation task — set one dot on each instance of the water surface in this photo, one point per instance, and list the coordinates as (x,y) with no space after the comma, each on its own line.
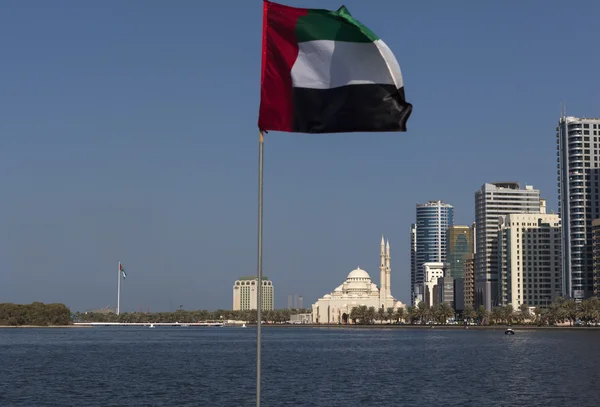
(191,366)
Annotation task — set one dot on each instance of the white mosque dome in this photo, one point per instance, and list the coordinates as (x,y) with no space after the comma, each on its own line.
(356,290)
(358,273)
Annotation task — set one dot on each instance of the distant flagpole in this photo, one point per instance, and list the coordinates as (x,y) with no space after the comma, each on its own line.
(119,288)
(259,265)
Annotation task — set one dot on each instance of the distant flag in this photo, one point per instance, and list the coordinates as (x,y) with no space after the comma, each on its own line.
(122,270)
(325,72)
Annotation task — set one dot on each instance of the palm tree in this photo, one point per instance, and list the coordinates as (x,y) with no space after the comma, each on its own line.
(423,312)
(469,313)
(508,313)
(445,312)
(380,314)
(411,314)
(556,312)
(370,316)
(569,309)
(539,316)
(400,314)
(524,312)
(390,313)
(590,310)
(354,314)
(362,315)
(482,314)
(497,314)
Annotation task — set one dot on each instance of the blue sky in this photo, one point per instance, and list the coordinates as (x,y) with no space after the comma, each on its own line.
(128,132)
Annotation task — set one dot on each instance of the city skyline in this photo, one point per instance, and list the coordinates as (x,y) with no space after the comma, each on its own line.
(124,143)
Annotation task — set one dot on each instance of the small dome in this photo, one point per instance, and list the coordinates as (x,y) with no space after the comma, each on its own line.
(359,273)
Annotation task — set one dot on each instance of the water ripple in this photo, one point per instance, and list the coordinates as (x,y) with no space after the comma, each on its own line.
(301,367)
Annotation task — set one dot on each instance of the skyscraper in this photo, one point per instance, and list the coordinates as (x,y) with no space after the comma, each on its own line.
(491,202)
(428,241)
(596,255)
(413,261)
(529,259)
(459,245)
(577,141)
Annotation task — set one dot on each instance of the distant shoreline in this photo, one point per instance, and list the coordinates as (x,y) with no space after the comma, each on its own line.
(43,326)
(446,327)
(373,326)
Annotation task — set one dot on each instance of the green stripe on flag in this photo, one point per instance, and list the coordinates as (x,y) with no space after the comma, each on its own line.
(332,25)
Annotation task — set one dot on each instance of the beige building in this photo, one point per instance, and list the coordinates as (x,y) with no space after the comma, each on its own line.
(529,259)
(469,280)
(491,202)
(357,290)
(245,294)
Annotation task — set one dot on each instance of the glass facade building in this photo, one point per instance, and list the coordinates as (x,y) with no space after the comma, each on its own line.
(459,245)
(428,241)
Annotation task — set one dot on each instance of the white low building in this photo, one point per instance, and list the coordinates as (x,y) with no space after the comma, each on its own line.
(357,290)
(432,271)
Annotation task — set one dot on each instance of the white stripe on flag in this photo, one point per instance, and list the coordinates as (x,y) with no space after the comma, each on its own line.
(326,64)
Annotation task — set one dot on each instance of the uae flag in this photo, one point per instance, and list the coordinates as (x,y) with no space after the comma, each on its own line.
(325,72)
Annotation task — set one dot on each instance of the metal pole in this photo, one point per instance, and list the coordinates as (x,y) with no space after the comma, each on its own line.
(119,288)
(259,265)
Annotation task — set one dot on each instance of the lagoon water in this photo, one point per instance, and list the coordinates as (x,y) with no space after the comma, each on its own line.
(190,366)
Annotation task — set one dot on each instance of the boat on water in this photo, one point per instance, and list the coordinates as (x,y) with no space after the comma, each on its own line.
(243,325)
(509,331)
(151,326)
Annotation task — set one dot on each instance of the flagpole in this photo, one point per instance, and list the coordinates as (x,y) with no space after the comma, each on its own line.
(259,265)
(119,288)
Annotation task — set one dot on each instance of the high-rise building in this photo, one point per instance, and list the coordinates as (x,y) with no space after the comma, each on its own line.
(491,202)
(459,245)
(295,301)
(578,143)
(529,259)
(413,261)
(469,281)
(596,255)
(428,241)
(245,294)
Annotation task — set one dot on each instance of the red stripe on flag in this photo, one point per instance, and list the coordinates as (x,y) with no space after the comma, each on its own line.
(279,52)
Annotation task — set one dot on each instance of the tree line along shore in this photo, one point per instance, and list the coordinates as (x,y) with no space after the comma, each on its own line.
(561,311)
(586,313)
(35,314)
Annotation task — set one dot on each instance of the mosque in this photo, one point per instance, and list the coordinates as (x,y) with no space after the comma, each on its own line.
(357,290)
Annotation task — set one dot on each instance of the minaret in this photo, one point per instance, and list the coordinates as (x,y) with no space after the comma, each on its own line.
(388,269)
(382,275)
